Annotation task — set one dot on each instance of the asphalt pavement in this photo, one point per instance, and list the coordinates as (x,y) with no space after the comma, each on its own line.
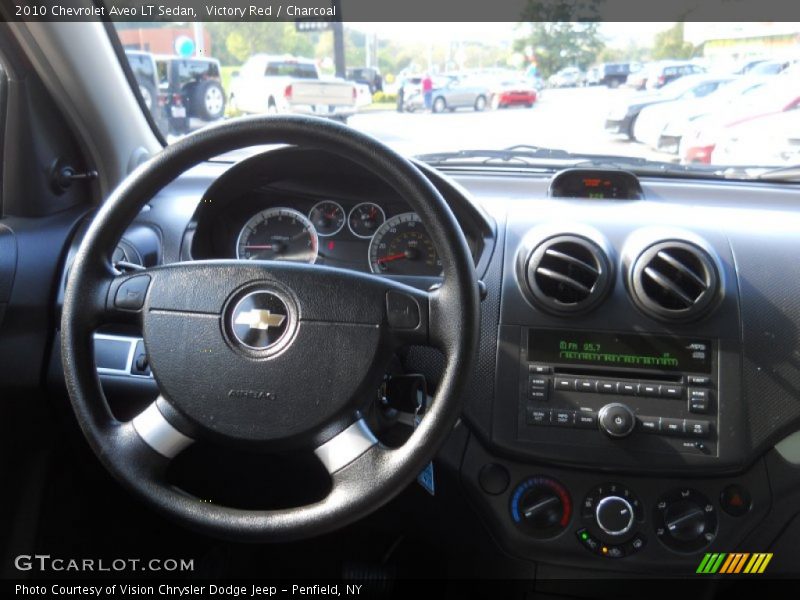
(571,119)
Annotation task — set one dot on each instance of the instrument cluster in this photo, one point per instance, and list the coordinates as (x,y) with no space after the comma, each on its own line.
(359,235)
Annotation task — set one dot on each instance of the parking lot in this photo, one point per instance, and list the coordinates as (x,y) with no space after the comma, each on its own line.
(571,119)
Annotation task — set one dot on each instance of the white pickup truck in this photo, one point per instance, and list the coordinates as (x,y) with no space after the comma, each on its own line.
(286,84)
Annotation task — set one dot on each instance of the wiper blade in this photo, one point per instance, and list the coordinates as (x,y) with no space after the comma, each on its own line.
(521,154)
(536,156)
(788,173)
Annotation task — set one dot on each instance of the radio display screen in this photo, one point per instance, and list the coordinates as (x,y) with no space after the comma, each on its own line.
(604,349)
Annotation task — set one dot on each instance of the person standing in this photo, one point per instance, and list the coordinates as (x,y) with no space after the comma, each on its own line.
(427,90)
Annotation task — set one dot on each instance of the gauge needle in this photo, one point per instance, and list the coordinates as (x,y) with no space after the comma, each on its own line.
(392,257)
(260,247)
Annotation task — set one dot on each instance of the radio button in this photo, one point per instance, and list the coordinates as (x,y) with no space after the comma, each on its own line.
(537,416)
(701,380)
(539,394)
(672,426)
(672,391)
(607,387)
(585,419)
(648,389)
(616,420)
(627,389)
(564,383)
(539,369)
(649,424)
(586,385)
(699,394)
(699,405)
(563,418)
(698,429)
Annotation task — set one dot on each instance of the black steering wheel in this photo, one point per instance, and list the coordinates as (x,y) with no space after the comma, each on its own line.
(229,342)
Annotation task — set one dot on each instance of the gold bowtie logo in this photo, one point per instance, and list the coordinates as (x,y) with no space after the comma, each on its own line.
(259,319)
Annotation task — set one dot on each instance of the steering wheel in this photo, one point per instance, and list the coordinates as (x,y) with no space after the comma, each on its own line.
(229,343)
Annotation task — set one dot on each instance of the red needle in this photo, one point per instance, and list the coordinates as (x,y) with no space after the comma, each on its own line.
(391,257)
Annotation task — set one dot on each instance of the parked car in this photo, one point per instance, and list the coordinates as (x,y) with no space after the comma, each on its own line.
(450,93)
(767,140)
(622,117)
(568,77)
(611,75)
(699,141)
(516,92)
(769,67)
(656,75)
(189,88)
(288,84)
(369,76)
(669,122)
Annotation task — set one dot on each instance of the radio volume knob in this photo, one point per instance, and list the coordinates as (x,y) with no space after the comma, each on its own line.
(614,515)
(616,419)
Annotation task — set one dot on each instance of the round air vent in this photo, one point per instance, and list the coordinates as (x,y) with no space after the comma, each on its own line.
(674,280)
(567,274)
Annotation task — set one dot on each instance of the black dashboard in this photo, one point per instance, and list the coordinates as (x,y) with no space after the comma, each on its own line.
(638,354)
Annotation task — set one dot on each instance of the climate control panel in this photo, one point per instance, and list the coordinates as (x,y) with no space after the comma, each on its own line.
(583,517)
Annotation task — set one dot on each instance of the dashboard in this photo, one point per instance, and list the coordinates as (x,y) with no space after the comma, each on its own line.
(636,395)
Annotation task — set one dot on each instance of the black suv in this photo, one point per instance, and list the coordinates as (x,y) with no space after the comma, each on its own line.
(609,74)
(143,66)
(189,88)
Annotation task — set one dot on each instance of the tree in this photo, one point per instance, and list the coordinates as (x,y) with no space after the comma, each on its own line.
(234,42)
(670,44)
(561,44)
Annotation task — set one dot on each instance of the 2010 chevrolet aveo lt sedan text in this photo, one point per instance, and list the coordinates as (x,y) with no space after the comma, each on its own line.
(500,345)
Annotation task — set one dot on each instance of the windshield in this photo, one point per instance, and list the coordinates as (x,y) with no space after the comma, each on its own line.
(581,89)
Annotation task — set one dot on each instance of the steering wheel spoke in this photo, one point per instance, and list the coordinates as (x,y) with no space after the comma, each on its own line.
(346,446)
(158,432)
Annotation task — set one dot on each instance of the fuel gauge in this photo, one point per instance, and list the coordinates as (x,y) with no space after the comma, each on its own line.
(365,219)
(327,217)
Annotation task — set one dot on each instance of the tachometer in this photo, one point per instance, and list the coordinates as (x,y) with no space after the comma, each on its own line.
(402,246)
(365,218)
(327,217)
(278,234)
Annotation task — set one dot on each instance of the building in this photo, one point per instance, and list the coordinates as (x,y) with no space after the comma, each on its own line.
(161,40)
(734,40)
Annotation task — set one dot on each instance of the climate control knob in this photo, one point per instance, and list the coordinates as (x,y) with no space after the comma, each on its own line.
(541,507)
(614,515)
(685,520)
(616,419)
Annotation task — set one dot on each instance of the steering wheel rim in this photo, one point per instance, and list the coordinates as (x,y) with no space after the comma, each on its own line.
(364,473)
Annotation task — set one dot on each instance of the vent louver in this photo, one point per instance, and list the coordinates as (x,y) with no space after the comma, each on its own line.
(674,280)
(568,274)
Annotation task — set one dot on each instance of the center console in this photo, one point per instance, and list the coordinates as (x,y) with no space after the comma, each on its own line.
(618,429)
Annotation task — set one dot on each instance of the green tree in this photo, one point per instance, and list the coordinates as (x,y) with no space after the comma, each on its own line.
(233,42)
(671,44)
(561,44)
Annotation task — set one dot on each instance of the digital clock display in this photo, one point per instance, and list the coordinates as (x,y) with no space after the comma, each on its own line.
(629,351)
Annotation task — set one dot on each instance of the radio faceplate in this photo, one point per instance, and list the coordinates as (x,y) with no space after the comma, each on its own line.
(622,394)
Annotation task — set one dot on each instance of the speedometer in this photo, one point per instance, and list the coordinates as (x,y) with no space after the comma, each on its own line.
(278,234)
(402,246)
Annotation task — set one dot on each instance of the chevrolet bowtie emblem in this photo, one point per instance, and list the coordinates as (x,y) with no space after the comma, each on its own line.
(259,319)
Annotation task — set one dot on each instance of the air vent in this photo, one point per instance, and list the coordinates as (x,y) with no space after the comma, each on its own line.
(674,280)
(567,274)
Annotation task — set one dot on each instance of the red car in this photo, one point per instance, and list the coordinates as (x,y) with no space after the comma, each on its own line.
(514,93)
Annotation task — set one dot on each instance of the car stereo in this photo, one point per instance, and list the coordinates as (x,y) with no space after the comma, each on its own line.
(651,393)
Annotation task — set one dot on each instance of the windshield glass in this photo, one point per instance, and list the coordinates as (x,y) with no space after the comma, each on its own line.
(686,94)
